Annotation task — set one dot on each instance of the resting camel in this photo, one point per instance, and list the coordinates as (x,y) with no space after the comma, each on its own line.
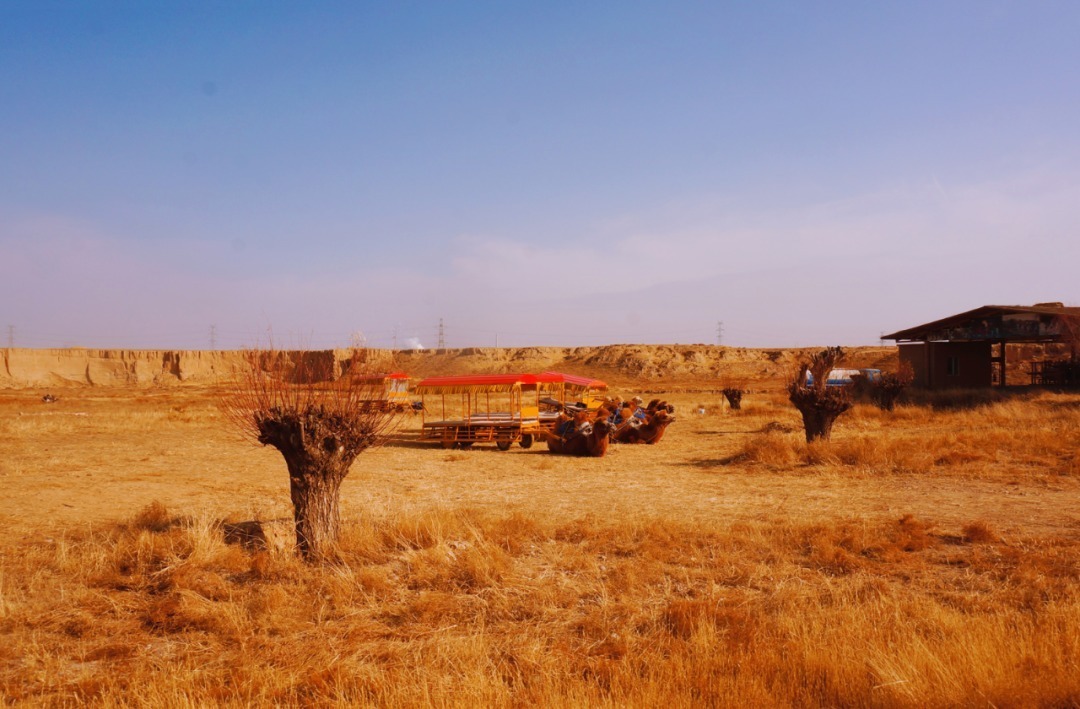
(589,437)
(613,404)
(658,404)
(649,432)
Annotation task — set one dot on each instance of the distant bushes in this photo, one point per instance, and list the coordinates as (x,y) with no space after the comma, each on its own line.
(1016,434)
(872,452)
(957,399)
(886,390)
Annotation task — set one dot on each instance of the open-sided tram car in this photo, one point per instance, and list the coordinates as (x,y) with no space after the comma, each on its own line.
(497,408)
(393,387)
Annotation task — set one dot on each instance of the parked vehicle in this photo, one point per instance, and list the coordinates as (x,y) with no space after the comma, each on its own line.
(500,408)
(394,390)
(843,377)
(515,416)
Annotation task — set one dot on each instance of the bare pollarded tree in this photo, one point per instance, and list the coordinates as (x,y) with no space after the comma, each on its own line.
(320,414)
(819,404)
(888,389)
(733,392)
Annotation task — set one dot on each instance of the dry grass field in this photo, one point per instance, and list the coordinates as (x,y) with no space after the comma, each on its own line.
(926,557)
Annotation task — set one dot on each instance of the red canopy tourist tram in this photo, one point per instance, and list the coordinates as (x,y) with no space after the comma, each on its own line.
(499,408)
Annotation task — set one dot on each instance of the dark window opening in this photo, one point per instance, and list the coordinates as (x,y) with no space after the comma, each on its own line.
(952,366)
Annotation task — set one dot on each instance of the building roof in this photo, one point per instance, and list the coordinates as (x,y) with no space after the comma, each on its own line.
(953,327)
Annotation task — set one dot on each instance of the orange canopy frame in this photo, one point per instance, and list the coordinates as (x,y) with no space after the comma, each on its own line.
(572,381)
(505,382)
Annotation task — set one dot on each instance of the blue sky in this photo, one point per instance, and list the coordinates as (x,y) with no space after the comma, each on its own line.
(533,174)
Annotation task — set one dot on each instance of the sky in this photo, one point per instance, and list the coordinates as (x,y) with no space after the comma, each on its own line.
(769,174)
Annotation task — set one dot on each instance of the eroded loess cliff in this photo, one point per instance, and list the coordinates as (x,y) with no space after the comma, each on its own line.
(618,364)
(73,367)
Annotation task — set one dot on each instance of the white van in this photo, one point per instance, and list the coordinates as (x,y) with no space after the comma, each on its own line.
(843,377)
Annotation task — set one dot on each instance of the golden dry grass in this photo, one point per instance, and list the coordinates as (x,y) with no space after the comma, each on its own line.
(929,557)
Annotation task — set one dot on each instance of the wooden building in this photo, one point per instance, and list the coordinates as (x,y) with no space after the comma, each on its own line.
(970,349)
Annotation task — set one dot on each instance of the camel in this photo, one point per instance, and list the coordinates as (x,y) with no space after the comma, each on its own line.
(589,437)
(649,432)
(658,404)
(613,404)
(623,417)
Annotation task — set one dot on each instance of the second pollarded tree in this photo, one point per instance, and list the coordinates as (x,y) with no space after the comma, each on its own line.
(819,404)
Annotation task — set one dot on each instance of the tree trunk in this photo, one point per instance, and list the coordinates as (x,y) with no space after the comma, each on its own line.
(818,423)
(820,408)
(887,399)
(316,498)
(734,397)
(318,464)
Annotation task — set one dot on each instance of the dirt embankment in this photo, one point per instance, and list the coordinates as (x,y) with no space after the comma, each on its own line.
(640,365)
(60,367)
(644,366)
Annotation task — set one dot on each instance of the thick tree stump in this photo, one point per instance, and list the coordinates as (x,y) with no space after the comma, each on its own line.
(734,398)
(316,498)
(820,409)
(318,461)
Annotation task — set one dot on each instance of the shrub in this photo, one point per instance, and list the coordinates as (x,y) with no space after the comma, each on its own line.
(887,390)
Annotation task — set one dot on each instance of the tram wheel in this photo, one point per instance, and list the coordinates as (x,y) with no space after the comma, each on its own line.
(526,441)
